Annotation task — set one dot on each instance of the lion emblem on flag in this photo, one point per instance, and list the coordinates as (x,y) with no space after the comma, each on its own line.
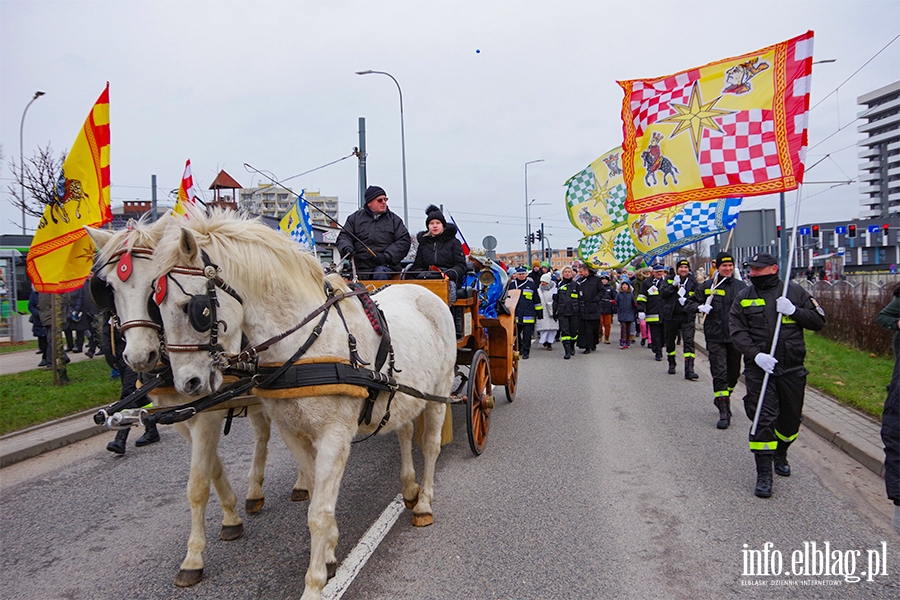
(612,163)
(67,190)
(737,78)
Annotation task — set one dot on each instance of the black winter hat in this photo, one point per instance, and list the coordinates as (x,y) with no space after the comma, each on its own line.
(724,257)
(432,213)
(372,192)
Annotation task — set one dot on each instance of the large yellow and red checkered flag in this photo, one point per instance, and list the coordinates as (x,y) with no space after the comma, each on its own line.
(62,253)
(732,128)
(187,192)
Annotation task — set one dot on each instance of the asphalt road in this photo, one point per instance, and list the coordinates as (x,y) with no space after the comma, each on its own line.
(606,478)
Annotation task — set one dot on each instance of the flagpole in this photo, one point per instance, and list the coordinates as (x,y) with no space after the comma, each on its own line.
(787,281)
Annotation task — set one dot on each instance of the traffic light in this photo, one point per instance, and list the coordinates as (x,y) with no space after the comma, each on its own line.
(531,238)
(885,228)
(538,234)
(851,231)
(570,252)
(815,230)
(778,230)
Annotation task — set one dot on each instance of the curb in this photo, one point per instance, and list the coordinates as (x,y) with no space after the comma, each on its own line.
(38,439)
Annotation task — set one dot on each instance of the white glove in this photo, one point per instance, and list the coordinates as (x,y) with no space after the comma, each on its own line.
(682,292)
(682,300)
(766,362)
(653,289)
(705,308)
(677,280)
(785,306)
(642,316)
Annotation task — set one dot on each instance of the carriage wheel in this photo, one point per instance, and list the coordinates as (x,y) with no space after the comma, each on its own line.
(479,401)
(513,380)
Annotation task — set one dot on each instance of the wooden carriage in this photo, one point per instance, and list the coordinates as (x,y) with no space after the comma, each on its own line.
(487,354)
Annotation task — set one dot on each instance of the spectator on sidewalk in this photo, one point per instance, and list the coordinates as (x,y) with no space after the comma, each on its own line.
(889,318)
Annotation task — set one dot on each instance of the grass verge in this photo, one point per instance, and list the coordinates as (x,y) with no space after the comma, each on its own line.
(855,378)
(6,348)
(30,398)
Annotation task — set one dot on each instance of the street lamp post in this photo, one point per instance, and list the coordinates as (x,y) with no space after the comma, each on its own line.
(402,139)
(527,211)
(37,95)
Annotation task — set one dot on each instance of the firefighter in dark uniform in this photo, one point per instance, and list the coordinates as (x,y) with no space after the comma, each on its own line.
(650,306)
(679,310)
(717,295)
(754,314)
(528,309)
(565,310)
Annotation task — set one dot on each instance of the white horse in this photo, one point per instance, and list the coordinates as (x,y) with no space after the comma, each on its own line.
(276,286)
(129,251)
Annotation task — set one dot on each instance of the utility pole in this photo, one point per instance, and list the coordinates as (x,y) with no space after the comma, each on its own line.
(153,212)
(361,155)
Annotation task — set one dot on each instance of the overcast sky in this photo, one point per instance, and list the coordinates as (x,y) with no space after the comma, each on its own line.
(487,86)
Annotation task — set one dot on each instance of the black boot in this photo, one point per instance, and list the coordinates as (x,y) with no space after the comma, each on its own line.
(763,474)
(671,370)
(781,463)
(567,347)
(658,356)
(118,445)
(724,406)
(689,369)
(151,436)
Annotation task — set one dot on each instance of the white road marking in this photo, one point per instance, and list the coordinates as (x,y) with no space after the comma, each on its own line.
(360,554)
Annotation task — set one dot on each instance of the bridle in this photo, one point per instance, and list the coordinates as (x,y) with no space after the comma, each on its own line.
(201,309)
(102,292)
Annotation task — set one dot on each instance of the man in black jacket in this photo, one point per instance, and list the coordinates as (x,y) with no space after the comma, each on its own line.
(589,288)
(679,309)
(528,310)
(717,295)
(374,237)
(566,303)
(650,305)
(754,314)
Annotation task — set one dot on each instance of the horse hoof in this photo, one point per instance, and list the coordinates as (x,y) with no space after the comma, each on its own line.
(422,520)
(410,504)
(331,568)
(188,577)
(253,506)
(299,495)
(231,532)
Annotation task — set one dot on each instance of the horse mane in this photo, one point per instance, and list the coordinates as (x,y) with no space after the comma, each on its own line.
(248,252)
(142,234)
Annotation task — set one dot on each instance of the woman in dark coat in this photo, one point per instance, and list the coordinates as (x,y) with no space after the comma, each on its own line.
(439,251)
(37,328)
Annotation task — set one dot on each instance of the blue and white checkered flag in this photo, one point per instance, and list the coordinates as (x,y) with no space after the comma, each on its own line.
(297,223)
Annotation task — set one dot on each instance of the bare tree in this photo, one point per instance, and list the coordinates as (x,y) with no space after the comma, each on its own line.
(39,179)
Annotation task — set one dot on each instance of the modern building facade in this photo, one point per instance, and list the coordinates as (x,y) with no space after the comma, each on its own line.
(274,201)
(879,166)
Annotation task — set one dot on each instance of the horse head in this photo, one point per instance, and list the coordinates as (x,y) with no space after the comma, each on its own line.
(123,285)
(222,274)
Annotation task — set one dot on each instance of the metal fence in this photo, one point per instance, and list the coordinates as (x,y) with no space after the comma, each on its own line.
(851,309)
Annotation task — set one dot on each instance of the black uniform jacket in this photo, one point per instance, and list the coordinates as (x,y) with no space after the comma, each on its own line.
(672,309)
(590,288)
(529,307)
(650,302)
(753,319)
(443,251)
(566,300)
(384,234)
(715,327)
